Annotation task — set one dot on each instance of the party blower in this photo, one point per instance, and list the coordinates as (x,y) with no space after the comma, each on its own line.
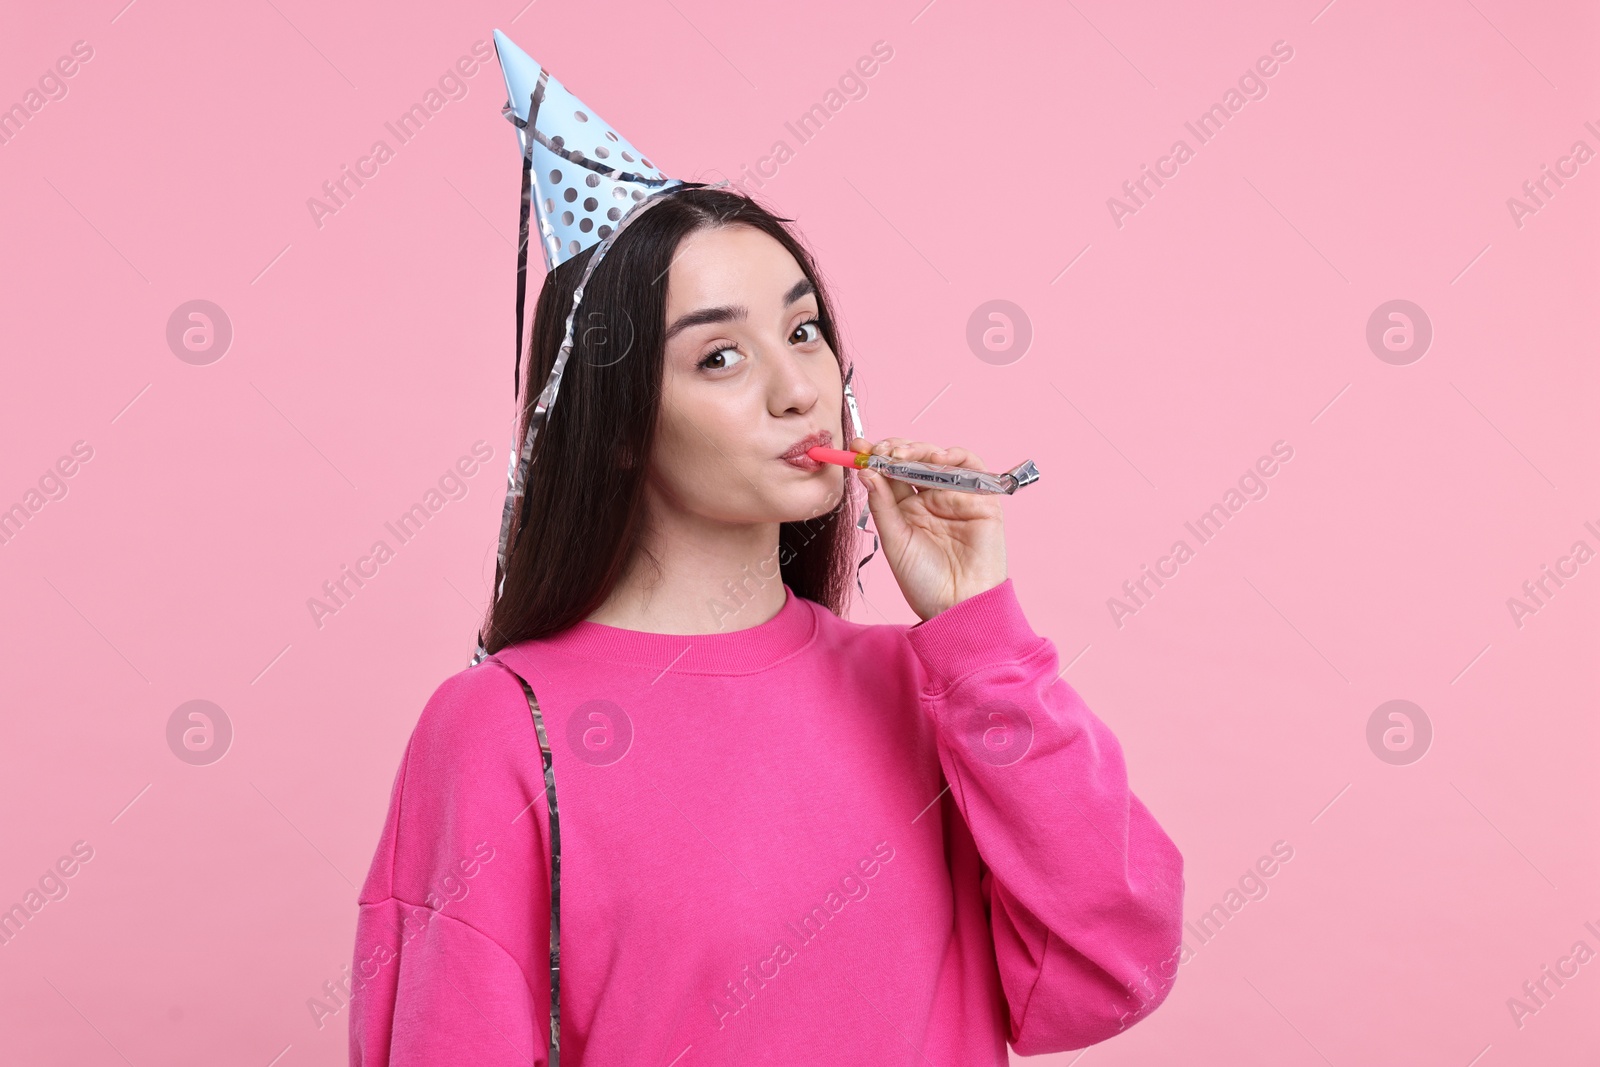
(932,475)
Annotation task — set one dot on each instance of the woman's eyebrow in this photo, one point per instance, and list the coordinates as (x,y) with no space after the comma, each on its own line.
(734,312)
(803,287)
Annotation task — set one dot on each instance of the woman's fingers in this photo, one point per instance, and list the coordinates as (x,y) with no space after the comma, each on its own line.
(893,448)
(961,457)
(921,451)
(901,448)
(887,446)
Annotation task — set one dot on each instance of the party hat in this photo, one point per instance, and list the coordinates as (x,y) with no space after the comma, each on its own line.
(586,173)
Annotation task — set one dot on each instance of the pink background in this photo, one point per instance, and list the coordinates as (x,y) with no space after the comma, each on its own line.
(1228,313)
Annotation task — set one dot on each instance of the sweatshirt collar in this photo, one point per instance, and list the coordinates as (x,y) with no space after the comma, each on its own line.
(743,651)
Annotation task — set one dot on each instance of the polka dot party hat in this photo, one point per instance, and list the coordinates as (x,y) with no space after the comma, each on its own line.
(586,174)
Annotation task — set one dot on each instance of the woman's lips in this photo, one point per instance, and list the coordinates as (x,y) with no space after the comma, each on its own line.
(800,460)
(803,462)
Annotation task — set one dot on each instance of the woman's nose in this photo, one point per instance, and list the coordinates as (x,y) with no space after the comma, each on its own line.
(789,386)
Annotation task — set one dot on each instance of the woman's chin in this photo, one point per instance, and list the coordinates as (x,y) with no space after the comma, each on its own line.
(811,495)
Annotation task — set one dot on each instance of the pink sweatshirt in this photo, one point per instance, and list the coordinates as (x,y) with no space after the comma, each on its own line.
(806,841)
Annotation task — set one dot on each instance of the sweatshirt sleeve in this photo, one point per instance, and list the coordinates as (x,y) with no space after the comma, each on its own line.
(1085,890)
(451,959)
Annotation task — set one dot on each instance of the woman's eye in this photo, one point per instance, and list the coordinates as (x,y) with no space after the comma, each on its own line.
(814,326)
(719,354)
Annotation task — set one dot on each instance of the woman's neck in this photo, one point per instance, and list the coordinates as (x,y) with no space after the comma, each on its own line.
(719,580)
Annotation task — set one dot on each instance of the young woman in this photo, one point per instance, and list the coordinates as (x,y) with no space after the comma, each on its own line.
(782,837)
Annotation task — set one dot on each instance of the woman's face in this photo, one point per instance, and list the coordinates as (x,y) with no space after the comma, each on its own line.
(747,377)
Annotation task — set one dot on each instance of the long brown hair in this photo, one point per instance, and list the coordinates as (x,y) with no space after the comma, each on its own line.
(584,511)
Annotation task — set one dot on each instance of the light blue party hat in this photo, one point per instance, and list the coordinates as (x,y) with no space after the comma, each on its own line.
(586,174)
